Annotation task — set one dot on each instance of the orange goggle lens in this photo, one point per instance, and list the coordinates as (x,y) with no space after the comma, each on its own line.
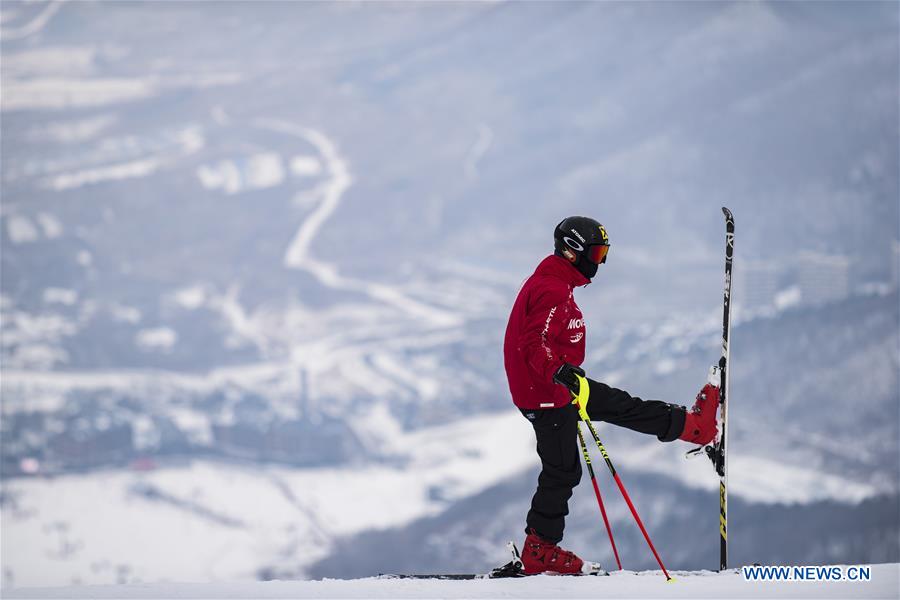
(597,254)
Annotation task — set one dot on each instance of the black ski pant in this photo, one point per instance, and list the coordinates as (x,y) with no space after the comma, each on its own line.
(557,446)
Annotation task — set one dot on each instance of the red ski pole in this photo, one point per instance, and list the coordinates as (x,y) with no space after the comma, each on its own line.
(581,401)
(587,459)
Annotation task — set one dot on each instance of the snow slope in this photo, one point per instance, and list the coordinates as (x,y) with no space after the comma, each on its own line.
(626,584)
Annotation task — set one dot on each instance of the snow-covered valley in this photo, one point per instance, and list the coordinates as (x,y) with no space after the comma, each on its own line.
(255,279)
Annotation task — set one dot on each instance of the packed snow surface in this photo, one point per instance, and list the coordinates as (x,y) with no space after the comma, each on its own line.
(626,584)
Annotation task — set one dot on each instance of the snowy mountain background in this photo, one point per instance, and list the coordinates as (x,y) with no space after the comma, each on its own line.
(257,261)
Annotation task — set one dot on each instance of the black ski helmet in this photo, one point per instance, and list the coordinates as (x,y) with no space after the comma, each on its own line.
(583,242)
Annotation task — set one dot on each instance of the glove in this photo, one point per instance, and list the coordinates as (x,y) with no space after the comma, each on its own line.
(565,375)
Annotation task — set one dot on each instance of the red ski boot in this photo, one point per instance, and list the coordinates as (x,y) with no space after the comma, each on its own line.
(700,422)
(541,556)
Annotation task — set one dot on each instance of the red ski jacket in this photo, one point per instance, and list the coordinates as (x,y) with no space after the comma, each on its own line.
(545,330)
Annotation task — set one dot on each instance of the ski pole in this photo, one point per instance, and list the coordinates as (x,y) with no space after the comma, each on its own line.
(581,400)
(587,459)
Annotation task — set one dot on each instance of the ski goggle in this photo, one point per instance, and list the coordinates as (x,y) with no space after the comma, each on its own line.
(597,253)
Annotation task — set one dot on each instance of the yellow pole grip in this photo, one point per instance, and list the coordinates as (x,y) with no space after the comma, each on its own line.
(581,398)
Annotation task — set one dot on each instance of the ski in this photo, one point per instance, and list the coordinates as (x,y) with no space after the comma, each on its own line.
(492,575)
(717,451)
(513,568)
(718,455)
(449,576)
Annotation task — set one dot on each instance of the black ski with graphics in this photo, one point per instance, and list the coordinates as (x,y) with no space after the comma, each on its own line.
(719,376)
(718,455)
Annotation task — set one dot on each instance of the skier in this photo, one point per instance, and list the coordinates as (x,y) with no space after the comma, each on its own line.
(543,348)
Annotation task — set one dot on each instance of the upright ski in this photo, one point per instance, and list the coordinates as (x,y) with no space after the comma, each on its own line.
(717,451)
(719,448)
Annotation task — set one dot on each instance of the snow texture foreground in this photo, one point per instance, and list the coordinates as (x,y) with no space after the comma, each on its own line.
(885,583)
